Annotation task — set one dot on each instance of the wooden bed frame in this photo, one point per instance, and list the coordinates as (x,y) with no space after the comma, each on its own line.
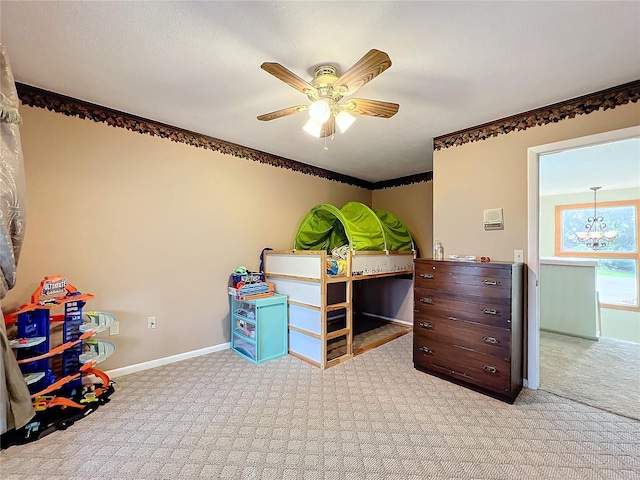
(320,305)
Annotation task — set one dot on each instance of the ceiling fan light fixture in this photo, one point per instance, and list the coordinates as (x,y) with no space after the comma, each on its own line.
(344,120)
(320,111)
(326,90)
(313,128)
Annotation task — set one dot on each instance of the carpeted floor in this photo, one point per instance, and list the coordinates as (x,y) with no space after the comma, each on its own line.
(370,331)
(604,374)
(372,417)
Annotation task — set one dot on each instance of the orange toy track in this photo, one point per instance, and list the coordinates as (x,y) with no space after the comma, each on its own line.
(56,385)
(66,392)
(59,349)
(63,381)
(65,293)
(98,373)
(64,403)
(28,307)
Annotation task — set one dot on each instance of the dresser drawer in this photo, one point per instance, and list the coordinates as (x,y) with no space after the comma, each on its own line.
(472,336)
(502,270)
(482,370)
(459,279)
(487,311)
(471,290)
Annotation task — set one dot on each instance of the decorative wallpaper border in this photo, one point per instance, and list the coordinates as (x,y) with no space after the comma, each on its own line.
(604,99)
(37,97)
(402,181)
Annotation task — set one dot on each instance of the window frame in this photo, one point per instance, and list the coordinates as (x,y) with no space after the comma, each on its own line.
(604,254)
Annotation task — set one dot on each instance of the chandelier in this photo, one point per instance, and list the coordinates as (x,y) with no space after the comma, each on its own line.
(595,236)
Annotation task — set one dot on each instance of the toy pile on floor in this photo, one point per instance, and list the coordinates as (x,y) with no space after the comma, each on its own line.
(60,378)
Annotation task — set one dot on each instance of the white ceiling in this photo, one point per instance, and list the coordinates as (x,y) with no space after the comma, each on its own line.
(611,166)
(196,65)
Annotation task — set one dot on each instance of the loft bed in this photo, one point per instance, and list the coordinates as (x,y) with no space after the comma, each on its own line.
(334,251)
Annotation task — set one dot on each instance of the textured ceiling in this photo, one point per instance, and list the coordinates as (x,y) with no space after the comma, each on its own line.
(611,166)
(196,65)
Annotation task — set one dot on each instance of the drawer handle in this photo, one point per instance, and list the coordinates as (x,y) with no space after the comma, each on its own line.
(489,369)
(426,325)
(490,311)
(491,282)
(426,275)
(426,300)
(427,350)
(491,340)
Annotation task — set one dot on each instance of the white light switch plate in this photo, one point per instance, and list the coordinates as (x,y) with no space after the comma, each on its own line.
(518,256)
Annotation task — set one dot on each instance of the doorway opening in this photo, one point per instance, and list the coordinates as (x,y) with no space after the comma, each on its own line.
(605,303)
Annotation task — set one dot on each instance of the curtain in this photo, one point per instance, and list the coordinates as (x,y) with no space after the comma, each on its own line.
(14,393)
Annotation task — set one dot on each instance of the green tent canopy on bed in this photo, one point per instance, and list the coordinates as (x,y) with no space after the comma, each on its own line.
(326,227)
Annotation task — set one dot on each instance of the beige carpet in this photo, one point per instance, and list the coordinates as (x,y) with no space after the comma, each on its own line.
(604,374)
(372,417)
(370,331)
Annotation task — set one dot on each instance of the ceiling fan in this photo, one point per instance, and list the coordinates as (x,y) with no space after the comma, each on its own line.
(327,89)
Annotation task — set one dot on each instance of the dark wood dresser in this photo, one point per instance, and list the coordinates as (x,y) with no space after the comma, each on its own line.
(468,324)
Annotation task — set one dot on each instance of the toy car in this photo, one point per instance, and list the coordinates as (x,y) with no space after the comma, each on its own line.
(48,302)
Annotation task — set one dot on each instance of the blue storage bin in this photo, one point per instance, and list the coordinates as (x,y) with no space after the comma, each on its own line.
(259,327)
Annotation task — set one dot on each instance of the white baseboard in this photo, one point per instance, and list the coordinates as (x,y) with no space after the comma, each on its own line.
(558,332)
(139,367)
(382,317)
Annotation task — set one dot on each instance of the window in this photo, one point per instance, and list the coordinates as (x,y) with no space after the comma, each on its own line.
(617,271)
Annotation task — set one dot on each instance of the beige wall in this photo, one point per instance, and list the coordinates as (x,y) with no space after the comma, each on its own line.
(152,227)
(493,174)
(413,205)
(393,297)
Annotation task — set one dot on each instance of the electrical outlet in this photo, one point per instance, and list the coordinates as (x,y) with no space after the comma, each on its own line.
(151,322)
(518,256)
(114,329)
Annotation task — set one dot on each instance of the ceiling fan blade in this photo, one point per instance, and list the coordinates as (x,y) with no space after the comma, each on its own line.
(287,77)
(282,113)
(373,108)
(328,127)
(364,70)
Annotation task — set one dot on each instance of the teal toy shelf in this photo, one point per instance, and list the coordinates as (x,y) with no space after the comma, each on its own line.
(259,328)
